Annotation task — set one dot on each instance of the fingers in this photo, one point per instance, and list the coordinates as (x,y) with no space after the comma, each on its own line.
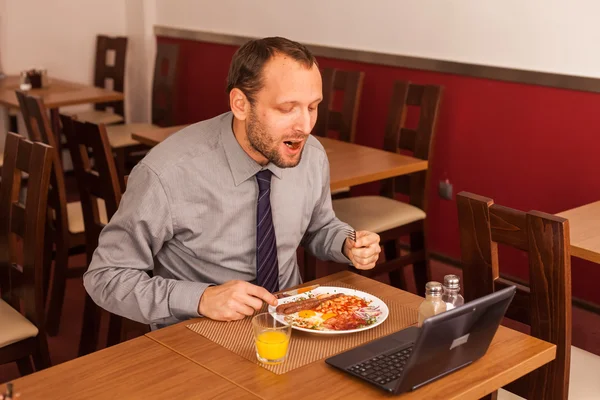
(261,293)
(251,301)
(366,252)
(366,260)
(365,239)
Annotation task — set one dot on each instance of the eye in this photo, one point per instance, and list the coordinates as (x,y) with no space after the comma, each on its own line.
(312,109)
(286,110)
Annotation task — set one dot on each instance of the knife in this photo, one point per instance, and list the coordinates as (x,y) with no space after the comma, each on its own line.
(296,291)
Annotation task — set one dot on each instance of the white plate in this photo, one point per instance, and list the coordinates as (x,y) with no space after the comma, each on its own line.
(374,302)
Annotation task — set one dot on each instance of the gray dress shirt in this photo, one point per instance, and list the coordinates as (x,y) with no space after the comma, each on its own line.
(189,216)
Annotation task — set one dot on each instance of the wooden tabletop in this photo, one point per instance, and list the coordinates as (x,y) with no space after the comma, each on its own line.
(510,356)
(350,164)
(136,369)
(584,224)
(58,93)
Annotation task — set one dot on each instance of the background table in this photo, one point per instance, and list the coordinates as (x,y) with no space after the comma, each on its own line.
(584,224)
(350,164)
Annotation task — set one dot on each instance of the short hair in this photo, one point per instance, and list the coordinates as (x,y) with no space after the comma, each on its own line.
(245,70)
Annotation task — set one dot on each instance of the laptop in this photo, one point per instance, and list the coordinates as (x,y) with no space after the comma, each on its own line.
(413,357)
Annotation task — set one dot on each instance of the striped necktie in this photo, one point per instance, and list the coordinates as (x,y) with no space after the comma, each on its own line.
(267,268)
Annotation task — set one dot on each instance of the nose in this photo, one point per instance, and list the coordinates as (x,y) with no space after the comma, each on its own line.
(303,122)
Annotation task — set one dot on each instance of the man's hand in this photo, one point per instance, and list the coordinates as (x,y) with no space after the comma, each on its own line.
(233,300)
(363,253)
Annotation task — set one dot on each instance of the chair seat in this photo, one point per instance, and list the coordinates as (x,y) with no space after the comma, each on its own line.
(120,135)
(583,377)
(97,117)
(75,213)
(15,327)
(340,190)
(376,213)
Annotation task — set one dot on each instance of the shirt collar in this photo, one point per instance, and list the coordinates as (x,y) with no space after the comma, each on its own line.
(242,166)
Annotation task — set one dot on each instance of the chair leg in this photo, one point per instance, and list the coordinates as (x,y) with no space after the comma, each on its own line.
(420,268)
(90,328)
(24,365)
(310,266)
(491,396)
(41,357)
(115,330)
(390,249)
(120,157)
(57,292)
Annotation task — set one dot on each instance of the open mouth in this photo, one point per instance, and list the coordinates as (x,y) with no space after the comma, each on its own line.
(293,144)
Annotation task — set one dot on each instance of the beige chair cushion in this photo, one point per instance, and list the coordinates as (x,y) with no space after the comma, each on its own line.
(584,378)
(376,213)
(340,190)
(14,327)
(120,135)
(584,382)
(75,214)
(97,117)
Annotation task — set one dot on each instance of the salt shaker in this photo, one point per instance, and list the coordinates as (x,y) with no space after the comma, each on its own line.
(433,303)
(451,295)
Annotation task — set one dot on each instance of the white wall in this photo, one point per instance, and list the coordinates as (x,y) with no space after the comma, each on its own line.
(60,35)
(543,35)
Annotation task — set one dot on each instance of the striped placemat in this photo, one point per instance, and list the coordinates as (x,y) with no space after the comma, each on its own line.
(305,348)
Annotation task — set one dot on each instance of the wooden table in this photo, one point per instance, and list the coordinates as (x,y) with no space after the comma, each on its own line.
(584,224)
(136,369)
(58,93)
(350,164)
(511,355)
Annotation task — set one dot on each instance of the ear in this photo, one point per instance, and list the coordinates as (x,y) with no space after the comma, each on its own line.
(239,104)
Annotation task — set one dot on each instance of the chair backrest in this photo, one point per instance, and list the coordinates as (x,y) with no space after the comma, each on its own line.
(115,72)
(545,305)
(97,180)
(39,129)
(418,142)
(343,122)
(22,262)
(164,84)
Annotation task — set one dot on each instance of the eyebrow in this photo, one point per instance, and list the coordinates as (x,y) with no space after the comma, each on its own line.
(295,102)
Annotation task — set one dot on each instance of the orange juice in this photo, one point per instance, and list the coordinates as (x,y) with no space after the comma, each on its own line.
(272,345)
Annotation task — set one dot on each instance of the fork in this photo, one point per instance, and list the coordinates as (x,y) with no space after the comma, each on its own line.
(350,234)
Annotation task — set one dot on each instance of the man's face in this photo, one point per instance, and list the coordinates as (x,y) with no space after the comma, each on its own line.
(285,110)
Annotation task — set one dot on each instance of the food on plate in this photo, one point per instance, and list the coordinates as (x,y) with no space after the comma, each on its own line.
(306,304)
(333,312)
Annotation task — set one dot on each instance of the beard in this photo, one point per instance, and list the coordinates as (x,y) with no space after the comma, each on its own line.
(262,142)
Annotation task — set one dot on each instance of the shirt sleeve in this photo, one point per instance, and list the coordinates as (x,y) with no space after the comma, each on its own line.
(325,234)
(118,277)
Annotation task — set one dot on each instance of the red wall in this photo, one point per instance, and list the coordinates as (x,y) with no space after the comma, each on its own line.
(525,146)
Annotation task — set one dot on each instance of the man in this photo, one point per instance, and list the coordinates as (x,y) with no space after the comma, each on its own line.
(218,210)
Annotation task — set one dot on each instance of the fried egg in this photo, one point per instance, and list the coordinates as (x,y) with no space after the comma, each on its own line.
(308,319)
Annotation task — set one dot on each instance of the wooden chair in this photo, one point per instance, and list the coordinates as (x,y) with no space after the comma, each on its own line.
(342,122)
(163,107)
(385,215)
(544,304)
(22,262)
(113,112)
(67,225)
(97,181)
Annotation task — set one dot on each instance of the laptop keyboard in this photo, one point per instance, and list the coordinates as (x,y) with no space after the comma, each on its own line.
(383,368)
